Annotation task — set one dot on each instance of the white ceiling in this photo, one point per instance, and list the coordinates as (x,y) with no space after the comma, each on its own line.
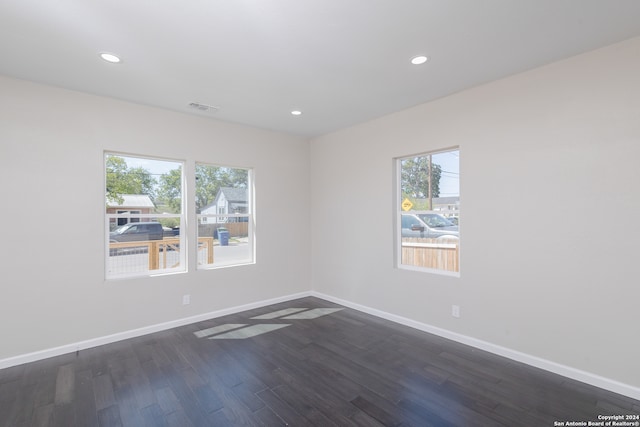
(341,62)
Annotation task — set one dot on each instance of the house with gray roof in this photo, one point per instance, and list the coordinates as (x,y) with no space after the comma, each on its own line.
(229,200)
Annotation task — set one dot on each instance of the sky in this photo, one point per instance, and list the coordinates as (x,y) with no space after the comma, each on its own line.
(450,178)
(155,167)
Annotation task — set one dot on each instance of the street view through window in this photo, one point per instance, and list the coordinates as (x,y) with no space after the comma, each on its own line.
(145,224)
(429,211)
(144,216)
(224,207)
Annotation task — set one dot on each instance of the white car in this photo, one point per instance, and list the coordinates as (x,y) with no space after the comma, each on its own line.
(429,226)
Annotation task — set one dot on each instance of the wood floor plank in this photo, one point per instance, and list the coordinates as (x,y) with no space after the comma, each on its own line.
(128,407)
(142,390)
(153,416)
(268,418)
(65,385)
(153,374)
(7,390)
(45,391)
(363,419)
(424,416)
(64,415)
(180,419)
(103,391)
(307,408)
(375,411)
(208,399)
(86,413)
(110,417)
(248,397)
(234,411)
(282,409)
(43,416)
(326,395)
(167,400)
(185,396)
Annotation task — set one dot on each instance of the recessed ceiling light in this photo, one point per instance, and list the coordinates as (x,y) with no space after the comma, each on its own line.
(296,113)
(417,60)
(110,57)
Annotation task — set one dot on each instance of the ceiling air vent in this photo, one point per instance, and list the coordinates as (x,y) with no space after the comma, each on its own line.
(203,107)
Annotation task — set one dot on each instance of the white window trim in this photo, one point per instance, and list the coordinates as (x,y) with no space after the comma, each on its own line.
(184,241)
(251,214)
(397,216)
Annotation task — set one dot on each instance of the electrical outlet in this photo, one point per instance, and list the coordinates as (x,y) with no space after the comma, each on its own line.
(186,299)
(455,311)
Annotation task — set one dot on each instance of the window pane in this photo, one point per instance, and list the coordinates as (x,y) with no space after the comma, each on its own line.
(225,217)
(429,210)
(143,216)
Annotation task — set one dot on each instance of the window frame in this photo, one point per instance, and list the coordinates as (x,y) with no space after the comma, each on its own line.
(183,256)
(398,212)
(213,218)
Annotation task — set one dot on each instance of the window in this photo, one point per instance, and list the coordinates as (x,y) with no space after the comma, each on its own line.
(144,215)
(225,216)
(125,220)
(428,212)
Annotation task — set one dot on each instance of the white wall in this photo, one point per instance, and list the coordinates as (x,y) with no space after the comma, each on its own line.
(52,290)
(553,273)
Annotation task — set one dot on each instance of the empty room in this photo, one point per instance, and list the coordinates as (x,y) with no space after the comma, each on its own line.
(319,213)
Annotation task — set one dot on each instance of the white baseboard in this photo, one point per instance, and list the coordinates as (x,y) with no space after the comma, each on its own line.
(95,342)
(566,371)
(547,365)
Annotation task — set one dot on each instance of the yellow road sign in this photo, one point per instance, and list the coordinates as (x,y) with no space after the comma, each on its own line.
(406,205)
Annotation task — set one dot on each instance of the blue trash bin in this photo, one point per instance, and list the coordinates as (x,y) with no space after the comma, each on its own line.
(223,236)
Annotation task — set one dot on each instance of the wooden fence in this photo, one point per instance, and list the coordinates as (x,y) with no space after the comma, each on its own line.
(236,229)
(431,253)
(157,249)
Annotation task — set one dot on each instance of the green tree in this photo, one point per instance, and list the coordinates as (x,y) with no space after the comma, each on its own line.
(415,178)
(121,180)
(170,190)
(209,180)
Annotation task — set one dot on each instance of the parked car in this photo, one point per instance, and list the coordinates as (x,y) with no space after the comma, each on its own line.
(137,231)
(453,220)
(428,225)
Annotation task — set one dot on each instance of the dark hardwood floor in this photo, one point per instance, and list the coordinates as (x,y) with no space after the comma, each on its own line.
(344,368)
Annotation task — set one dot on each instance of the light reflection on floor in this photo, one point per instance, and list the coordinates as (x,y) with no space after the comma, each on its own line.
(249,331)
(218,329)
(312,314)
(279,313)
(243,330)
